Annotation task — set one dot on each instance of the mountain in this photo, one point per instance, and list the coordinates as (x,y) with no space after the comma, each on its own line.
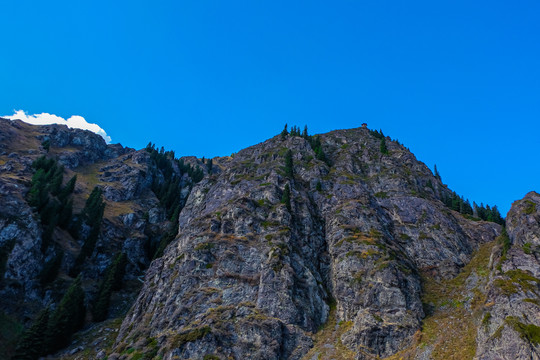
(336,246)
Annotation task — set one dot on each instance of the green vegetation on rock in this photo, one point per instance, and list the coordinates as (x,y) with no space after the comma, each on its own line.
(190,336)
(530,207)
(47,196)
(528,332)
(286,198)
(112,281)
(91,215)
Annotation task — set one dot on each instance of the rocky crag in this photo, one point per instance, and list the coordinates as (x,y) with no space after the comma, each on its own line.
(253,276)
(134,220)
(328,247)
(511,315)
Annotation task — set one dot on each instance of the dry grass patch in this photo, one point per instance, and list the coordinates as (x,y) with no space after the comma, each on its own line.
(24,141)
(449,332)
(63,150)
(88,175)
(114,209)
(327,341)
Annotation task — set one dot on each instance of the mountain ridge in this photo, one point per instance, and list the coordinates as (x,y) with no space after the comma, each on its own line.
(271,243)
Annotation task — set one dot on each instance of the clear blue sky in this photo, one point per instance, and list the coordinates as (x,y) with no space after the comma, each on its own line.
(458,82)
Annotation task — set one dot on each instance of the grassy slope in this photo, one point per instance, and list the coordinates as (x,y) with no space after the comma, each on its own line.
(327,340)
(449,330)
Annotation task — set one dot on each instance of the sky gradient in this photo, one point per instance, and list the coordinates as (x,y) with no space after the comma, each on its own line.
(457,82)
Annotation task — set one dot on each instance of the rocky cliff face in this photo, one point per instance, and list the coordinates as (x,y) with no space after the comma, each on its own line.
(511,326)
(134,220)
(249,278)
(283,251)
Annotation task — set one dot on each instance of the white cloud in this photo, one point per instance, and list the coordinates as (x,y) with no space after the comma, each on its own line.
(76,122)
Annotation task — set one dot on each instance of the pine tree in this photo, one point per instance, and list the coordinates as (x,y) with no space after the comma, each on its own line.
(376,134)
(284,133)
(315,143)
(67,189)
(56,180)
(489,214)
(481,211)
(166,239)
(92,214)
(120,263)
(94,207)
(384,149)
(198,175)
(101,305)
(497,215)
(305,133)
(455,202)
(286,198)
(37,196)
(32,342)
(50,269)
(65,214)
(112,281)
(289,168)
(67,318)
(468,208)
(437,175)
(46,236)
(46,145)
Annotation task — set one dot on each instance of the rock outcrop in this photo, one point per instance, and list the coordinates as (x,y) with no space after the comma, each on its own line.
(134,221)
(251,277)
(511,326)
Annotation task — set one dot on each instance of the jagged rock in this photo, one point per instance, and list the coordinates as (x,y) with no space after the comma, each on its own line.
(20,236)
(361,240)
(125,176)
(511,326)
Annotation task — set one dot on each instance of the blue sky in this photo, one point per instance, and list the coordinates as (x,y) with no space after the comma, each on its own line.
(457,82)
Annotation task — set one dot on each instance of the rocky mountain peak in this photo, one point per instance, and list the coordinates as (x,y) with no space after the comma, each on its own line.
(293,227)
(339,245)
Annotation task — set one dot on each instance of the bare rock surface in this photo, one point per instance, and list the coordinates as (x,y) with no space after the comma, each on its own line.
(249,278)
(134,220)
(511,329)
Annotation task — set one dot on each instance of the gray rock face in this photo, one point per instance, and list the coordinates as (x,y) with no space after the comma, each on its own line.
(127,177)
(20,237)
(512,326)
(134,220)
(79,147)
(247,278)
